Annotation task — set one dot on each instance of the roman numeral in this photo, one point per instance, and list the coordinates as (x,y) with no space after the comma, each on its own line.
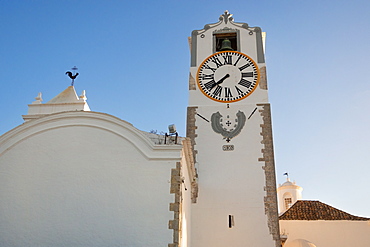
(228,92)
(239,56)
(207,77)
(248,74)
(245,83)
(207,67)
(217,91)
(227,59)
(245,66)
(211,84)
(240,92)
(216,61)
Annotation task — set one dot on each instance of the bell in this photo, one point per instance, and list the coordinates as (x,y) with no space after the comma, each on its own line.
(226,45)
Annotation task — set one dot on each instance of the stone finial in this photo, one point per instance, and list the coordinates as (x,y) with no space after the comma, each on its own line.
(38,99)
(226,16)
(83,96)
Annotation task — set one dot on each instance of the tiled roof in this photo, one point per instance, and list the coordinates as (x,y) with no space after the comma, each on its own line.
(316,210)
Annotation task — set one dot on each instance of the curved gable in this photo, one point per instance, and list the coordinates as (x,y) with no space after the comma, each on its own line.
(93,120)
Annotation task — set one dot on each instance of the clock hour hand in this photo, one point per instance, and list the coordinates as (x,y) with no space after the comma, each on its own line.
(219,81)
(222,79)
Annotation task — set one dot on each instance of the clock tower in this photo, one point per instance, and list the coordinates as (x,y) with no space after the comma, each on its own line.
(229,124)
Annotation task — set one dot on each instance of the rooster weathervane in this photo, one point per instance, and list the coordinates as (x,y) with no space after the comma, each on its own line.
(72,76)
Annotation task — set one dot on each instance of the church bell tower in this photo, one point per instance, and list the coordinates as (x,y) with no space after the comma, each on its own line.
(229,124)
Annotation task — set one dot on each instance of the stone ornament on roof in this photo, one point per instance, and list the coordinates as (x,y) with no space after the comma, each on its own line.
(65,101)
(226,16)
(38,99)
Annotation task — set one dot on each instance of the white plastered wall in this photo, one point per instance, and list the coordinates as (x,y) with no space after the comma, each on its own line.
(339,233)
(84,179)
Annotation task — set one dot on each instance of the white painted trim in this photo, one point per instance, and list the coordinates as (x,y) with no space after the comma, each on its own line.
(95,120)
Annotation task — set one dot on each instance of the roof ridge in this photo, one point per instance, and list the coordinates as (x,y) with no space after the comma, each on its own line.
(69,95)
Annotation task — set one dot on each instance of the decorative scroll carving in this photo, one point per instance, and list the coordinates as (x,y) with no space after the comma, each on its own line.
(220,128)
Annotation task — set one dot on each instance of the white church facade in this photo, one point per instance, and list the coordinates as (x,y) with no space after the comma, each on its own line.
(73,177)
(70,176)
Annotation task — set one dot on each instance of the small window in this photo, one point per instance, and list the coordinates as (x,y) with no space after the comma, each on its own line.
(231,221)
(220,37)
(287,202)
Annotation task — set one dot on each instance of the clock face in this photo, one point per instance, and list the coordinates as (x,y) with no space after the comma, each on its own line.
(228,76)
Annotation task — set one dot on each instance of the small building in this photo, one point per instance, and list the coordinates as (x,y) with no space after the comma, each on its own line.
(314,223)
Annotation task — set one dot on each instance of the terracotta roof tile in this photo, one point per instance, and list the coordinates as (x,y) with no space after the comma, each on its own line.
(316,210)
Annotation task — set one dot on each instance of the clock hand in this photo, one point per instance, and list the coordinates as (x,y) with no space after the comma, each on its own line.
(221,80)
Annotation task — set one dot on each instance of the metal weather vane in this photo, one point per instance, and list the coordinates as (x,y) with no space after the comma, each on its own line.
(72,76)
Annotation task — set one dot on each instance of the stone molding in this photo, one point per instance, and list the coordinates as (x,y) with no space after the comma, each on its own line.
(193,176)
(176,206)
(191,127)
(191,135)
(270,200)
(263,78)
(192,84)
(94,120)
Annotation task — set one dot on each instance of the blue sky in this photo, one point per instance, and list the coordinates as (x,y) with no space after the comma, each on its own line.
(133,59)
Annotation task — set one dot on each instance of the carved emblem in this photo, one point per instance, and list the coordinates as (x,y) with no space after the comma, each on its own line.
(228,128)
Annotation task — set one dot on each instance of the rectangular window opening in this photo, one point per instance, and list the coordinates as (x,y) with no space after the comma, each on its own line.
(220,37)
(231,221)
(288,202)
